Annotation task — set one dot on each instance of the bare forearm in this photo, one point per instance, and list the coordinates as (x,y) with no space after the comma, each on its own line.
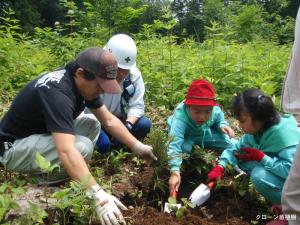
(114,126)
(119,131)
(71,158)
(76,167)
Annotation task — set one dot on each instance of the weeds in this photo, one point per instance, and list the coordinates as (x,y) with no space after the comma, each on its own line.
(7,203)
(115,160)
(73,203)
(47,168)
(201,160)
(34,215)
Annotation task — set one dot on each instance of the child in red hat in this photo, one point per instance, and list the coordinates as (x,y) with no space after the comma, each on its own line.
(198,120)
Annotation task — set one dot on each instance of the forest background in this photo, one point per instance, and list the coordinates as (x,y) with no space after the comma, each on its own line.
(234,44)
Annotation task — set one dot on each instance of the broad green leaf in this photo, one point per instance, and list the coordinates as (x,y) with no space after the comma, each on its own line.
(172,200)
(180,212)
(42,162)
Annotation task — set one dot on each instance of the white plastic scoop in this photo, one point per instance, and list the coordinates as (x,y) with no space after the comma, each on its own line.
(201,194)
(169,207)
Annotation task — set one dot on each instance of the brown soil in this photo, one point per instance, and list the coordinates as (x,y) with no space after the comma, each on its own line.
(150,216)
(224,206)
(134,188)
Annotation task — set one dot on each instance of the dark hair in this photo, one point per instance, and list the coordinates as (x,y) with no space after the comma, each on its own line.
(71,67)
(258,105)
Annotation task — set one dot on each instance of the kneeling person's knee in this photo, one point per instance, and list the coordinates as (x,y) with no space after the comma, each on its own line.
(85,146)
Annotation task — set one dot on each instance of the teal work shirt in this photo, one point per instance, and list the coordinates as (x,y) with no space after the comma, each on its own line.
(181,127)
(277,142)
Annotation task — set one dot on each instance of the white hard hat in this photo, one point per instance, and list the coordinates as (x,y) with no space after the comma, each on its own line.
(124,50)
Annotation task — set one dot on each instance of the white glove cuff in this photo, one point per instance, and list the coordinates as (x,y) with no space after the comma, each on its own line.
(137,146)
(93,192)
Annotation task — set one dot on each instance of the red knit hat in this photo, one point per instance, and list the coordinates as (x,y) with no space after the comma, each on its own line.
(202,93)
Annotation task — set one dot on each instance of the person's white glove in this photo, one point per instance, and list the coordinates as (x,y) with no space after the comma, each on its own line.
(144,151)
(107,206)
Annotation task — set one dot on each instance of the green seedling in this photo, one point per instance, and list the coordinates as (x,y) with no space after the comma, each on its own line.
(179,211)
(7,203)
(159,140)
(34,215)
(45,165)
(72,201)
(47,168)
(115,159)
(200,159)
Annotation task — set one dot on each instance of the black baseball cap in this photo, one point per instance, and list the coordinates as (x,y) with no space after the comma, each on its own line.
(103,65)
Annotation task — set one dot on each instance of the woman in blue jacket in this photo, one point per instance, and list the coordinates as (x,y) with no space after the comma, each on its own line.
(267,149)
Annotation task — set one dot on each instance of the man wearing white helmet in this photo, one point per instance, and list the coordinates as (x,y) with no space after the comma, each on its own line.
(128,105)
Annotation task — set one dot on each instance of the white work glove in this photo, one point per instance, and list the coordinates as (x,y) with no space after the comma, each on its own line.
(107,206)
(143,151)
